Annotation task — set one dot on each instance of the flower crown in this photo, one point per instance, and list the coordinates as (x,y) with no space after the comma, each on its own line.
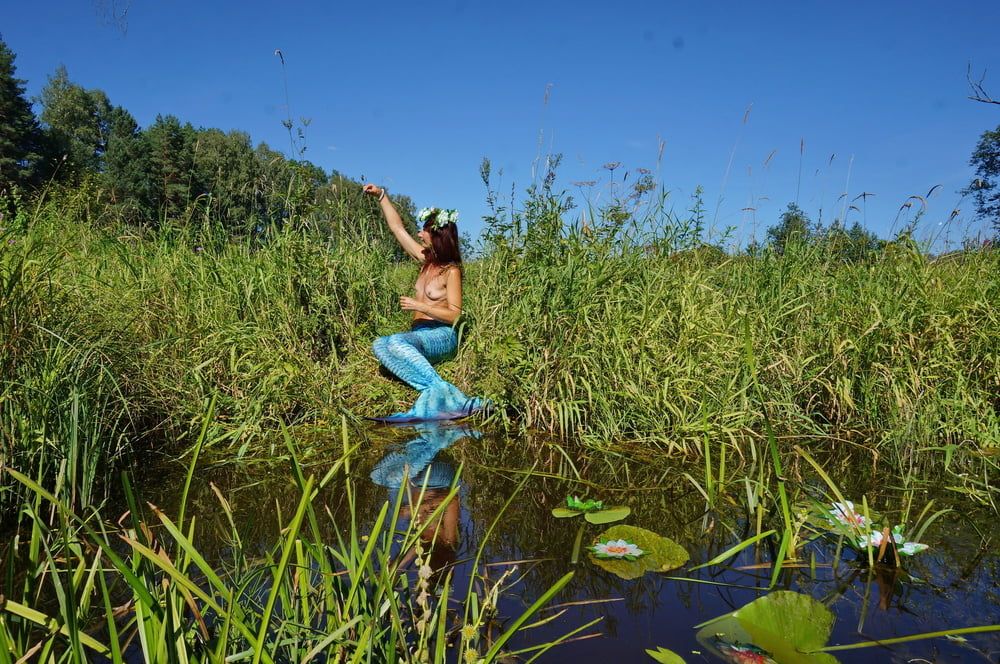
(443,218)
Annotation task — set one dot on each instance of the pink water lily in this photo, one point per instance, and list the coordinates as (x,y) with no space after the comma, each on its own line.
(845,514)
(617,549)
(874,539)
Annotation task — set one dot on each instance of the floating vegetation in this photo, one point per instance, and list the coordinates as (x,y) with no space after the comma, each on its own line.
(861,533)
(593,511)
(783,626)
(665,656)
(877,538)
(659,554)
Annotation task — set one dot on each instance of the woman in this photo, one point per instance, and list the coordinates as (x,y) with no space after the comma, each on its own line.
(436,307)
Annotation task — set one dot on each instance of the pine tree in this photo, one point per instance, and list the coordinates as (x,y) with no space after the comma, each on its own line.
(21,138)
(127,173)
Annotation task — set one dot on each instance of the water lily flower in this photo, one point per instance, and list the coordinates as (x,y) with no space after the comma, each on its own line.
(844,514)
(620,548)
(911,548)
(874,539)
(904,548)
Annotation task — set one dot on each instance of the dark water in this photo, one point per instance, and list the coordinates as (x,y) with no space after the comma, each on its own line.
(953,584)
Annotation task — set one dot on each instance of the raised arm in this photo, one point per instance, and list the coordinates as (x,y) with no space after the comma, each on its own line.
(411,246)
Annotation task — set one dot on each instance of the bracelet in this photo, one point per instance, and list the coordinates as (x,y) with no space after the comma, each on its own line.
(382,195)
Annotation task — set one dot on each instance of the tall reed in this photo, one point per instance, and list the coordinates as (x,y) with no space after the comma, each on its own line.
(619,326)
(158,599)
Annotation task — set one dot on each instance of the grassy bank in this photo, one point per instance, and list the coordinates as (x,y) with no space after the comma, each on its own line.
(623,333)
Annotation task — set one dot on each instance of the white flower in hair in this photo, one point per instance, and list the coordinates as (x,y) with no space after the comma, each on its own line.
(441,217)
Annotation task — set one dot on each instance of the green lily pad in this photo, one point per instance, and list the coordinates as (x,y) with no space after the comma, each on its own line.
(785,624)
(565,512)
(665,656)
(609,515)
(661,554)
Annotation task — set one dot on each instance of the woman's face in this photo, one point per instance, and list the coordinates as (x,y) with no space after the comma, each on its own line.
(425,237)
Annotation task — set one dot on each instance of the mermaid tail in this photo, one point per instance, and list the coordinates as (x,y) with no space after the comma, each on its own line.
(408,355)
(441,401)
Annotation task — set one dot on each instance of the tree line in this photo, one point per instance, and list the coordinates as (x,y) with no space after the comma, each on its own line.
(169,173)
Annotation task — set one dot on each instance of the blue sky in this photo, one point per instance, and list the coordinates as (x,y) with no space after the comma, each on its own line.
(414,95)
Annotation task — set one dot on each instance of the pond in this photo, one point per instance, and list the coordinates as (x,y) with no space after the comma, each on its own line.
(954,583)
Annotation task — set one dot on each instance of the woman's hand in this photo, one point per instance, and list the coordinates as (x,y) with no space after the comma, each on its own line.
(373,189)
(409,304)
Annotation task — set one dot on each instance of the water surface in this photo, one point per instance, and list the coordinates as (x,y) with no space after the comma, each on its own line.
(953,584)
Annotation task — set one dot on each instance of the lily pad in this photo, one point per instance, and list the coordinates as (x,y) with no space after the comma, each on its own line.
(564,512)
(609,515)
(662,554)
(592,510)
(784,624)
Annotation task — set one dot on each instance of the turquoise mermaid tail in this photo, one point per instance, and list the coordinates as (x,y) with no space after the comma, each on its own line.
(409,355)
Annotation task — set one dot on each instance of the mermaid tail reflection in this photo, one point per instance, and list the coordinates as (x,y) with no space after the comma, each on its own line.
(427,480)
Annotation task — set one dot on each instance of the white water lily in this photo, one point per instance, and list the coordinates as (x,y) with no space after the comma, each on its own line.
(617,549)
(911,548)
(424,213)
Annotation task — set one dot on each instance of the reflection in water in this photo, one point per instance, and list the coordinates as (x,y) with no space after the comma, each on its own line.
(960,572)
(428,481)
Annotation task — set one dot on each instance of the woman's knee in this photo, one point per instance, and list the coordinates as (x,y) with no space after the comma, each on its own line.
(394,345)
(380,347)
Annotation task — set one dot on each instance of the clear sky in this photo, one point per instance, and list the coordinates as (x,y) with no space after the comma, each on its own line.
(414,95)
